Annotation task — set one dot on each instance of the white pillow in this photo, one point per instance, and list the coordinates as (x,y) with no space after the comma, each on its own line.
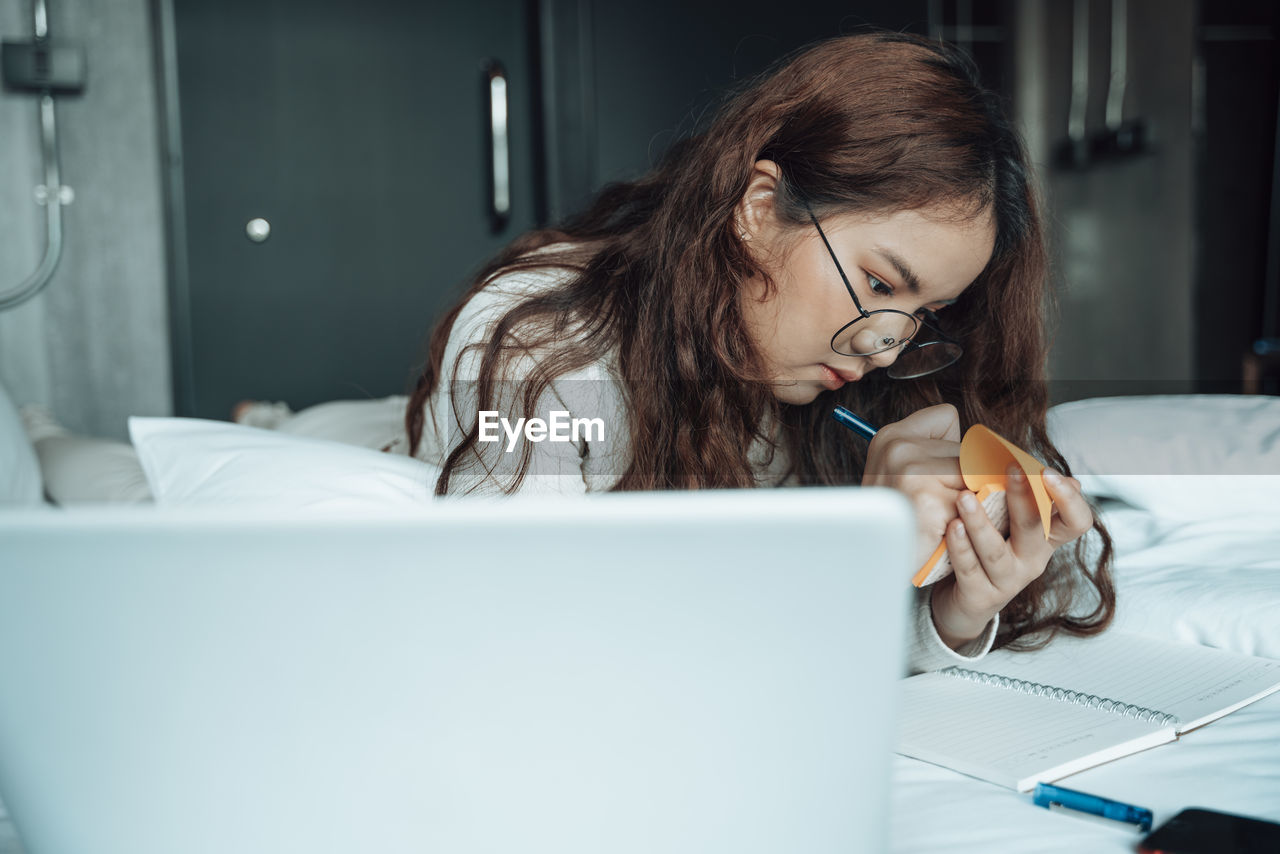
(194,461)
(20,481)
(1183,456)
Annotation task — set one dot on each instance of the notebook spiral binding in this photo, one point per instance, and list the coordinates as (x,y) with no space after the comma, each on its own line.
(1064,695)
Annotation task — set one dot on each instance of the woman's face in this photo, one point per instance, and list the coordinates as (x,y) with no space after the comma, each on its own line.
(906,260)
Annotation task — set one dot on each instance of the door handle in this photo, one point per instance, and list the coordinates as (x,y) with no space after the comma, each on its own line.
(499,147)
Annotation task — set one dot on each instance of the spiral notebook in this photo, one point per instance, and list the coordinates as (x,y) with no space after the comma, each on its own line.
(1016,719)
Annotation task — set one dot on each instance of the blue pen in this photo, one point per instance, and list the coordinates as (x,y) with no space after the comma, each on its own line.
(854,423)
(1053,797)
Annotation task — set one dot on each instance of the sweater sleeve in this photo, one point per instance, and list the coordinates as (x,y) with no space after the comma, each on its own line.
(925,649)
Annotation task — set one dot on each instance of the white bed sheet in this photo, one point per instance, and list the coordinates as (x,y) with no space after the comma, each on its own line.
(1213,581)
(1190,566)
(1232,765)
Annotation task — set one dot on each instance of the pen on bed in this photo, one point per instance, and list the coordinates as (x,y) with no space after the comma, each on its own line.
(1088,806)
(854,423)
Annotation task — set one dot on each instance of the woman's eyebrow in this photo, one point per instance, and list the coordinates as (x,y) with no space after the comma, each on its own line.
(899,263)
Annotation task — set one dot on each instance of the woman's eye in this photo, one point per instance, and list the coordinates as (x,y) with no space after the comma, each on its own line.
(878,287)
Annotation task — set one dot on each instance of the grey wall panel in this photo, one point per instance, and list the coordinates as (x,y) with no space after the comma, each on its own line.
(1121,232)
(660,67)
(94,346)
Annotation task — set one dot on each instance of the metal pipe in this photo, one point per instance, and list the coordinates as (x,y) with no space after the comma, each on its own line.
(51,194)
(1079,73)
(42,20)
(1119,63)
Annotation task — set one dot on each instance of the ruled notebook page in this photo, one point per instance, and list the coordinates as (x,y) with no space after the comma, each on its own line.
(1195,684)
(1010,738)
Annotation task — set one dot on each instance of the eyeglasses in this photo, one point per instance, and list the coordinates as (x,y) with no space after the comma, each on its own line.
(923,347)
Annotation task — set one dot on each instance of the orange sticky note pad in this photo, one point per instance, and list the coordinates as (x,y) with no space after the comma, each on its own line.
(984,459)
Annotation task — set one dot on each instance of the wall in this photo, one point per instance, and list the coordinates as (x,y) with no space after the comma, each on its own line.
(1121,232)
(94,346)
(1237,85)
(706,48)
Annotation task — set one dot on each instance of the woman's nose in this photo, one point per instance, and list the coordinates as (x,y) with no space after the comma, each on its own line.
(879,334)
(885,358)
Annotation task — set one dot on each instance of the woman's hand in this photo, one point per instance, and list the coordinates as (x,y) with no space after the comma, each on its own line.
(989,570)
(920,456)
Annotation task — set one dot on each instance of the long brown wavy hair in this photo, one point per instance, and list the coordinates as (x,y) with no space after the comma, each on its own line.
(872,122)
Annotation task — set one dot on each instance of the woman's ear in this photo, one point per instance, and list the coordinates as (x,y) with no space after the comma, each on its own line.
(754,215)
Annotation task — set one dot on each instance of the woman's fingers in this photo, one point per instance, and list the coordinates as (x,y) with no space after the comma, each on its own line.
(964,560)
(989,570)
(976,591)
(985,540)
(1074,515)
(920,457)
(1024,512)
(941,421)
(1009,564)
(1026,528)
(910,457)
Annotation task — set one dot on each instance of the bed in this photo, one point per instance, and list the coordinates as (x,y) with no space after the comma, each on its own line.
(1187,485)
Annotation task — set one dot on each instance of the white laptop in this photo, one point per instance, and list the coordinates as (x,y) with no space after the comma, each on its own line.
(623,674)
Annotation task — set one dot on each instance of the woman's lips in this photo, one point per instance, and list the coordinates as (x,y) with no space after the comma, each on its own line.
(834,379)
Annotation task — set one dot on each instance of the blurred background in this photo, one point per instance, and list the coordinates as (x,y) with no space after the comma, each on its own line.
(275,198)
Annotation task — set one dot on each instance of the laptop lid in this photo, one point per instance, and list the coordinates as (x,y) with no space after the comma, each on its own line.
(623,673)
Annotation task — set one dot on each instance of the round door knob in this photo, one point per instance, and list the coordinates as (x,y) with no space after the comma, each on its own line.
(257,229)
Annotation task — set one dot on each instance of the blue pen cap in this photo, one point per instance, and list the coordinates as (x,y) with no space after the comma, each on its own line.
(1128,814)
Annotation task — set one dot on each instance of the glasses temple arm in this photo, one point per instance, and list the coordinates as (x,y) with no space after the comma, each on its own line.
(848,287)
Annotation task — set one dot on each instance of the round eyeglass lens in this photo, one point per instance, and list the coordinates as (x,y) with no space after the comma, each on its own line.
(927,357)
(879,332)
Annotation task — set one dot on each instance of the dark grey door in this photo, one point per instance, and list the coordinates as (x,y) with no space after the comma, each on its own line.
(358,130)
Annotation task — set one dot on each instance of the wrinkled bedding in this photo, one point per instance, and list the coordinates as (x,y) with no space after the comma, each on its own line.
(1197,560)
(1194,508)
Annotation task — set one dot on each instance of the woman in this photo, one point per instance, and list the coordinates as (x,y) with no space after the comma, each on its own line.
(854,227)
